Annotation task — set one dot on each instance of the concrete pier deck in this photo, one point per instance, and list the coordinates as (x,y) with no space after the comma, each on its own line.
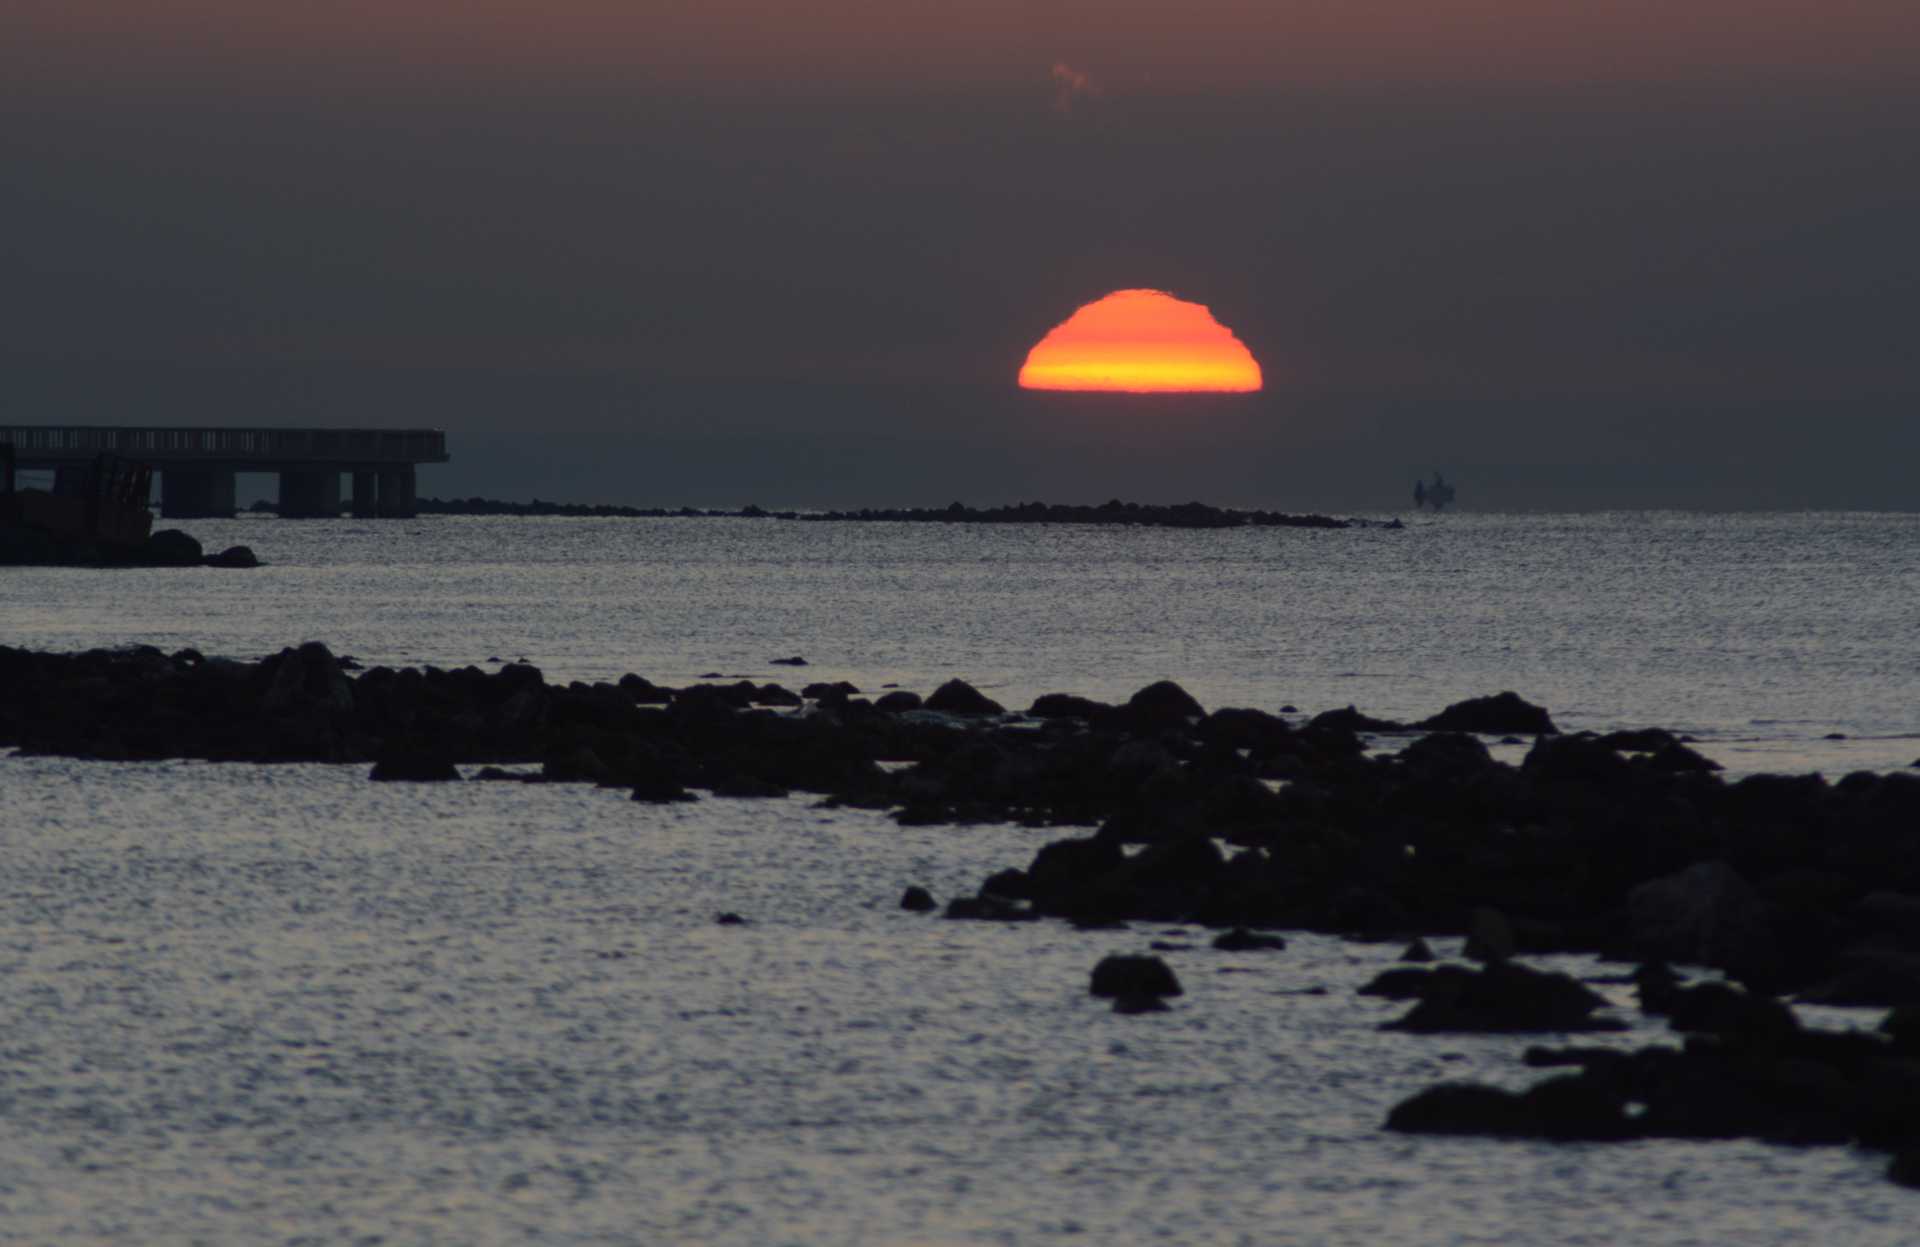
(197,465)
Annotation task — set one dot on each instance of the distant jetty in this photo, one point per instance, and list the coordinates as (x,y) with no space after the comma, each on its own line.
(1179,515)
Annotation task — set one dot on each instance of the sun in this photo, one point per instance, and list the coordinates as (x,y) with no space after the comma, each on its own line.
(1140,342)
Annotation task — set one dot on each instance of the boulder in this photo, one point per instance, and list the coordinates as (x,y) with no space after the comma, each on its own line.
(234,556)
(414,763)
(1066,706)
(1241,940)
(1122,975)
(1164,705)
(1418,951)
(172,548)
(1505,998)
(918,900)
(960,697)
(1567,1108)
(1352,720)
(1498,715)
(897,702)
(1489,936)
(1706,914)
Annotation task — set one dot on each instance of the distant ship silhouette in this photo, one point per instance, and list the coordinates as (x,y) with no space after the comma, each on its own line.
(1436,495)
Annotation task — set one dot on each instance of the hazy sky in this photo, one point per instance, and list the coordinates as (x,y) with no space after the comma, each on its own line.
(1634,254)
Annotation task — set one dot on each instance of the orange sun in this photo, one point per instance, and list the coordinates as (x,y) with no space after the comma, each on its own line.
(1141,341)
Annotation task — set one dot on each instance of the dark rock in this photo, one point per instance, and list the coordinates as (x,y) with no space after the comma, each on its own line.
(234,556)
(1879,978)
(1012,883)
(172,548)
(1241,940)
(795,661)
(1641,740)
(1066,706)
(1489,936)
(897,702)
(1678,759)
(729,920)
(660,789)
(836,692)
(1706,914)
(1139,1002)
(774,695)
(1725,1010)
(1493,716)
(1904,1169)
(1351,720)
(1568,1108)
(745,787)
(959,697)
(1462,1108)
(918,900)
(1163,705)
(1418,951)
(1655,984)
(1505,998)
(579,764)
(1414,982)
(1121,975)
(643,692)
(414,763)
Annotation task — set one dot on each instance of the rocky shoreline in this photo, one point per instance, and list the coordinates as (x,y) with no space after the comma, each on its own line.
(1180,515)
(1629,845)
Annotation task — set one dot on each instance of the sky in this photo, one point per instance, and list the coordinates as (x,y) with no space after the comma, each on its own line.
(1573,256)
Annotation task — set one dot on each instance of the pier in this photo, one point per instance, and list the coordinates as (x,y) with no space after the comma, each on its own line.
(197,465)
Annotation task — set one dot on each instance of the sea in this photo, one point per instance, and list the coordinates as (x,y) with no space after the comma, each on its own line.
(281,1004)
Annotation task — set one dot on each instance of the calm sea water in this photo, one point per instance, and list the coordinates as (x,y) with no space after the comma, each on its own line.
(282,1004)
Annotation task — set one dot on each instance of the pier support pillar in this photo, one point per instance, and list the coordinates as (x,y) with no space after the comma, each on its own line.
(71,482)
(310,494)
(366,495)
(398,499)
(195,494)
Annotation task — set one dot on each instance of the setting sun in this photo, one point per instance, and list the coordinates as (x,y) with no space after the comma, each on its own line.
(1141,341)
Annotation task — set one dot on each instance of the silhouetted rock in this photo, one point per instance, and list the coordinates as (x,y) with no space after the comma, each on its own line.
(959,697)
(729,920)
(1418,951)
(1066,706)
(897,702)
(795,661)
(1241,940)
(1121,975)
(234,556)
(1505,997)
(1163,705)
(1352,720)
(1565,1109)
(1489,936)
(414,763)
(1493,716)
(1706,914)
(918,900)
(171,547)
